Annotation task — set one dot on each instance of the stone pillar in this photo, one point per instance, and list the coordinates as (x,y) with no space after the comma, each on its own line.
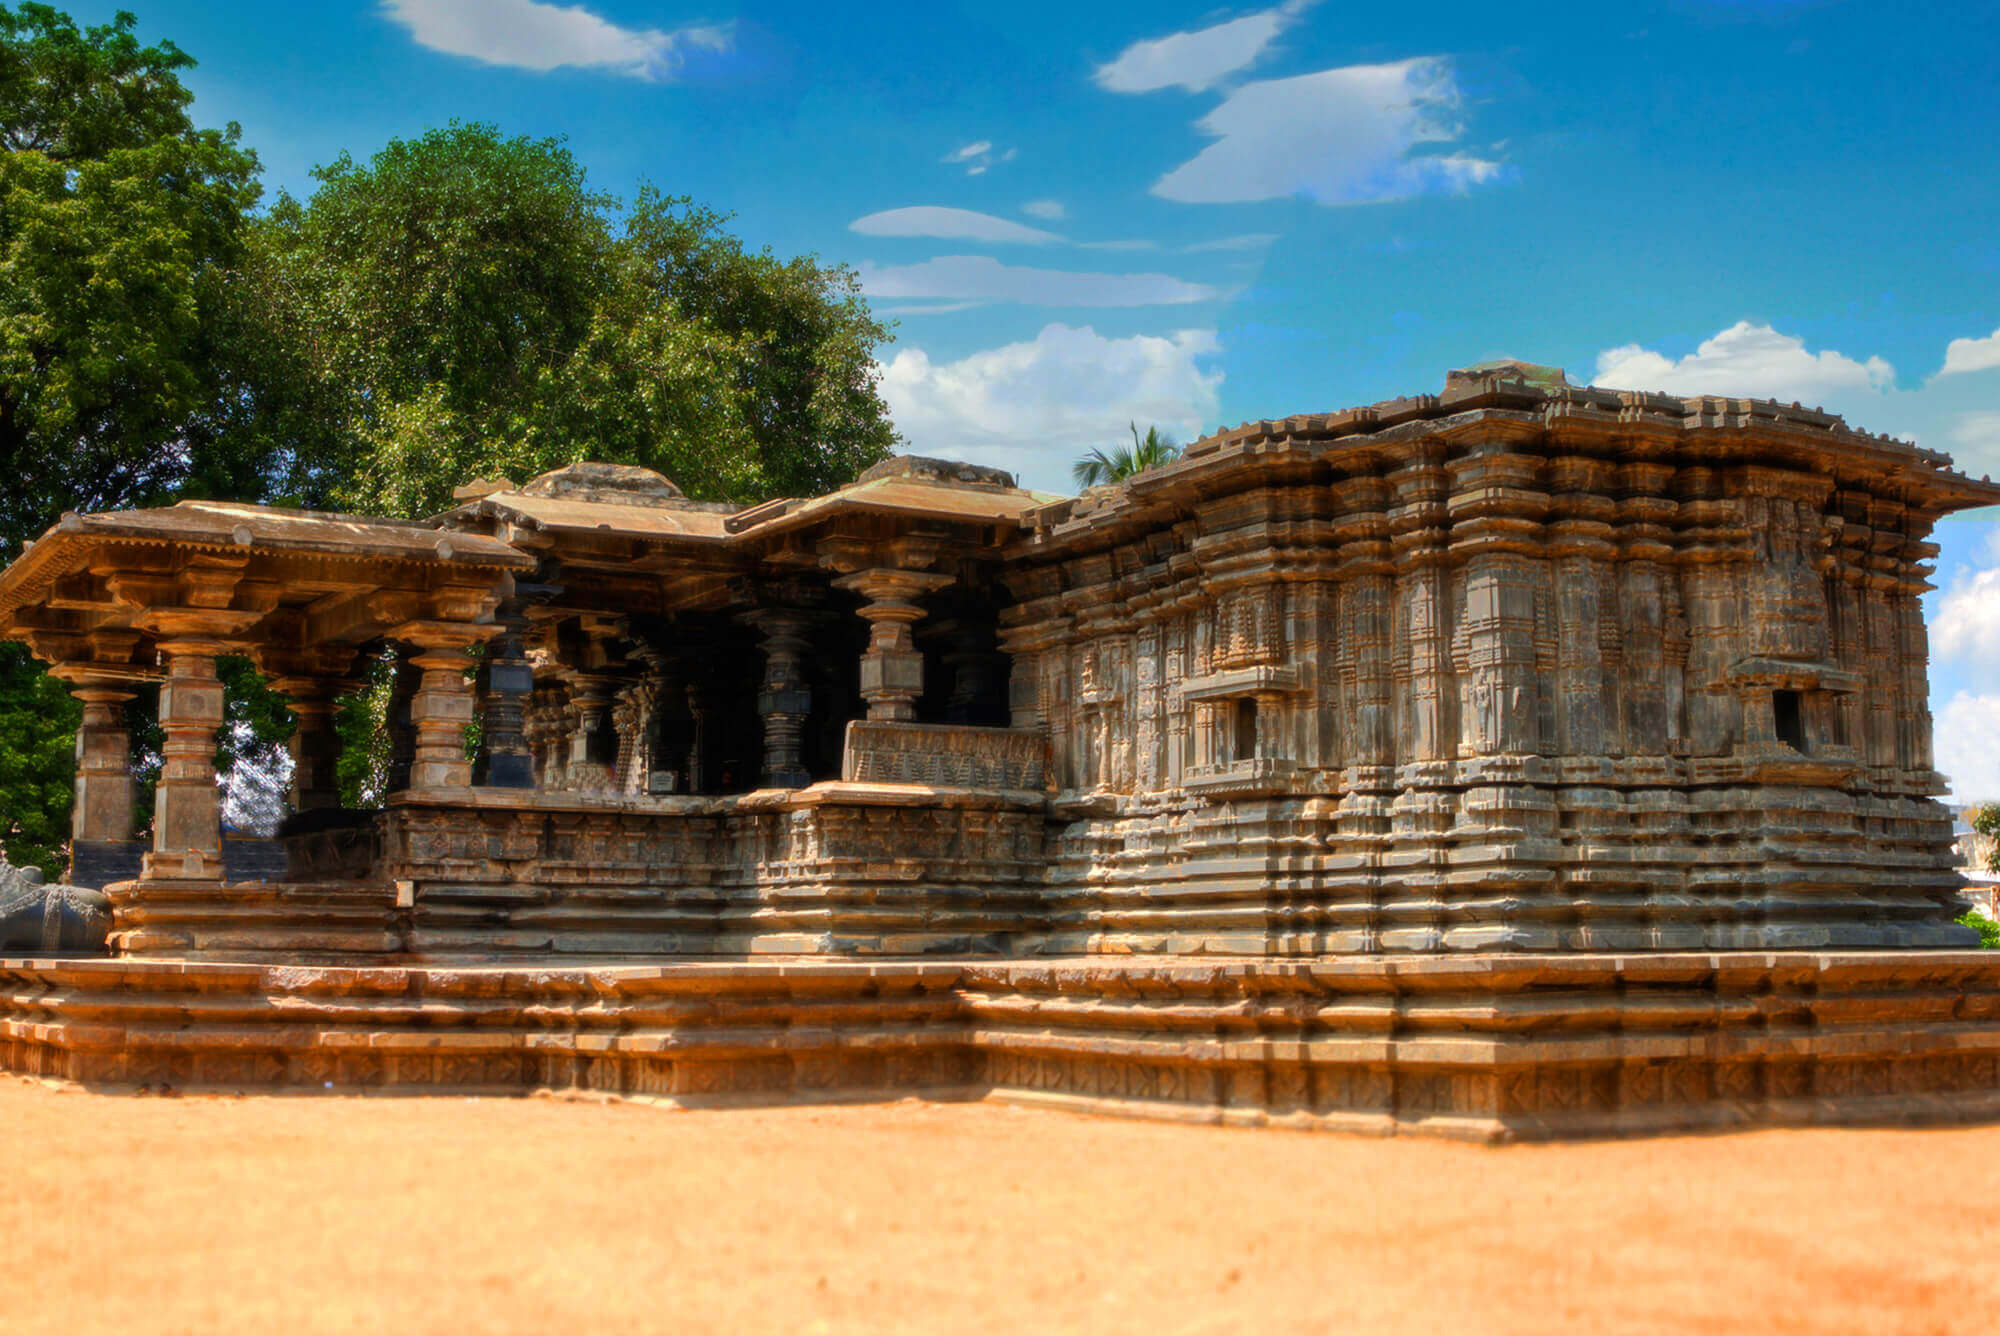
(892,669)
(972,654)
(592,752)
(442,706)
(505,681)
(698,702)
(315,746)
(1425,692)
(187,806)
(103,810)
(785,700)
(403,685)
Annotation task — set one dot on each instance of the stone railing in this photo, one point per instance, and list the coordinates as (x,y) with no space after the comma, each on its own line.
(945,756)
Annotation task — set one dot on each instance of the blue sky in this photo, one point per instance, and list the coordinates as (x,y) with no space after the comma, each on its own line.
(1084,214)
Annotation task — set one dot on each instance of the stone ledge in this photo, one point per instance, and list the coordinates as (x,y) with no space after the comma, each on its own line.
(1494,1049)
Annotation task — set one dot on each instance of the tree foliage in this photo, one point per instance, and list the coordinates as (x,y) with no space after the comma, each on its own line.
(1985,820)
(118,220)
(38,721)
(1120,462)
(463,304)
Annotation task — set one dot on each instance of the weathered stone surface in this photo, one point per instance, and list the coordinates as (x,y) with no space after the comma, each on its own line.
(1496,1049)
(945,756)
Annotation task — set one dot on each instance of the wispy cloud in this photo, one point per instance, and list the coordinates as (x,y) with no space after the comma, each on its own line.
(1199,59)
(932,220)
(1032,407)
(982,278)
(928,308)
(1049,209)
(530,35)
(1248,241)
(977,157)
(1341,136)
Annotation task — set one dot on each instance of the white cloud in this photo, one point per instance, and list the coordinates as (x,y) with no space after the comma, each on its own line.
(1050,209)
(979,277)
(978,148)
(1967,625)
(531,35)
(1965,729)
(1035,407)
(1749,361)
(1341,136)
(1200,59)
(1977,435)
(1963,355)
(929,220)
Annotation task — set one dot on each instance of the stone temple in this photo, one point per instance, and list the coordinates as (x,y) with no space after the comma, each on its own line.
(1524,760)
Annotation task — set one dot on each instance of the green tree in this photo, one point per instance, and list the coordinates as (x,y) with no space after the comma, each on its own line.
(1150,451)
(463,304)
(1985,820)
(120,220)
(38,721)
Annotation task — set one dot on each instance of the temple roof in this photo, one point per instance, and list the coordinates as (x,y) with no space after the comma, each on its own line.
(236,526)
(1695,429)
(904,485)
(640,504)
(1525,386)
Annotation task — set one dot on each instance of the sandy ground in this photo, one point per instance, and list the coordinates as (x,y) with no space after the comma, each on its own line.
(207,1215)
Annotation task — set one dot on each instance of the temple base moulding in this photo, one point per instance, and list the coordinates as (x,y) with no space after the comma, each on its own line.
(1496,1048)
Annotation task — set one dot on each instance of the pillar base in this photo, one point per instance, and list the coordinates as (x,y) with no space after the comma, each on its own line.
(97,863)
(181,865)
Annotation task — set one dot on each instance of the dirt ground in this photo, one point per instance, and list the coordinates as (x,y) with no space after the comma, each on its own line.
(134,1214)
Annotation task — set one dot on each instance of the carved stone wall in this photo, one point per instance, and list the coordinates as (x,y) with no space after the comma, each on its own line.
(951,756)
(838,869)
(1516,681)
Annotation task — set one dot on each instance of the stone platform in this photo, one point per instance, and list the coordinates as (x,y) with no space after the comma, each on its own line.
(1492,1048)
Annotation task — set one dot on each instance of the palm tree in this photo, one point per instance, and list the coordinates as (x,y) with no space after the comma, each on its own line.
(1150,451)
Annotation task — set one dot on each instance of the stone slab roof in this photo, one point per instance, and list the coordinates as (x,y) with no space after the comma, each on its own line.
(232,526)
(1366,436)
(621,518)
(893,496)
(1522,386)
